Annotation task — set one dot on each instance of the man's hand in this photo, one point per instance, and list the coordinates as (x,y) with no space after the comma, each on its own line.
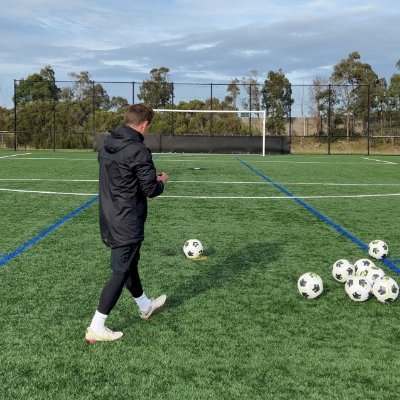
(163,177)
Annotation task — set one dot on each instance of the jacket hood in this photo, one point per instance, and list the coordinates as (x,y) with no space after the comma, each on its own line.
(121,138)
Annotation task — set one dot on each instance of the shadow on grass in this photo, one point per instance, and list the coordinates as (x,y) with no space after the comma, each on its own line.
(251,256)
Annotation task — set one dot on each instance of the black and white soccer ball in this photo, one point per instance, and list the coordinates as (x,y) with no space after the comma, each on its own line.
(371,273)
(385,289)
(362,263)
(310,285)
(378,249)
(358,288)
(342,270)
(193,248)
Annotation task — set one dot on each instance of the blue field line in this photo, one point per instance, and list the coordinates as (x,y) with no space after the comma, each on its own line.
(389,263)
(10,256)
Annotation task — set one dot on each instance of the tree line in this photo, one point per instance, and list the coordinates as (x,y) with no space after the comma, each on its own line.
(349,102)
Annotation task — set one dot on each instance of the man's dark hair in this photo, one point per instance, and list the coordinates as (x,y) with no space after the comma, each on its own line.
(138,113)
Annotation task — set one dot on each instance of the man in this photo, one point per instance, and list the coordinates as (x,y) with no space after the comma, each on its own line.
(127,177)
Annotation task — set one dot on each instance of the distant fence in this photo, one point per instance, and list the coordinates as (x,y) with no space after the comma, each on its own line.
(160,143)
(327,119)
(6,139)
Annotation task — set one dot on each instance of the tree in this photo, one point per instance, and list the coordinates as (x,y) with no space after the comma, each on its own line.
(319,101)
(380,112)
(277,101)
(234,92)
(157,92)
(6,122)
(357,83)
(35,98)
(394,102)
(87,90)
(37,86)
(253,91)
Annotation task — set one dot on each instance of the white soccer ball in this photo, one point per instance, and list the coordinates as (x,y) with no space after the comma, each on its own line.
(193,248)
(385,289)
(371,273)
(361,263)
(342,269)
(378,249)
(358,288)
(310,285)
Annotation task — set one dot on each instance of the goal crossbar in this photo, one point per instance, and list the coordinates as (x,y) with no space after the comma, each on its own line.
(260,112)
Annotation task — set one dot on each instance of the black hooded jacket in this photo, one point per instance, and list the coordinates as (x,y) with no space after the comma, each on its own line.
(127,176)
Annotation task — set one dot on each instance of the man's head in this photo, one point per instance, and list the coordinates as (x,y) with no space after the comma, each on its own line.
(139,117)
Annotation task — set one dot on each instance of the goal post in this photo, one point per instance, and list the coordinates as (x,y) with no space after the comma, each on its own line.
(240,113)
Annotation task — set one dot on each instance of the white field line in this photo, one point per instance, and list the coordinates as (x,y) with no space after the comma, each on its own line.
(382,161)
(209,182)
(193,160)
(288,183)
(46,180)
(280,197)
(56,158)
(47,192)
(253,161)
(212,197)
(16,155)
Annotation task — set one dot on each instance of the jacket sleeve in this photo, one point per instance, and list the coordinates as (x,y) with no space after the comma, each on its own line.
(143,167)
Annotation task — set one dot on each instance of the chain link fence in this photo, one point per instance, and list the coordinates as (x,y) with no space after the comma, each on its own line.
(323,119)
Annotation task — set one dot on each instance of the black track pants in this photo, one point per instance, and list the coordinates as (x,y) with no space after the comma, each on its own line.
(124,265)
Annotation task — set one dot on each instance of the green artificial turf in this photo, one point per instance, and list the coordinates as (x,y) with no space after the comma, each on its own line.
(235,326)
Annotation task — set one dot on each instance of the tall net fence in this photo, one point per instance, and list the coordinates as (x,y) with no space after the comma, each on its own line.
(325,119)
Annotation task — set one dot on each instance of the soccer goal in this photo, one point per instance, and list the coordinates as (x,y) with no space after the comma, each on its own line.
(255,118)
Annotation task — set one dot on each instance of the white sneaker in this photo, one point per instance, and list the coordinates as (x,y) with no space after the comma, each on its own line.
(106,336)
(155,304)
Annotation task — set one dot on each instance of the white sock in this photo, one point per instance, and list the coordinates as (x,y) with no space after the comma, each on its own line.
(98,321)
(143,302)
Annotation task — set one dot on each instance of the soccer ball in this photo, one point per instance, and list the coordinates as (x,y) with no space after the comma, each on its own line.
(378,249)
(385,289)
(342,269)
(371,273)
(361,263)
(358,288)
(193,248)
(310,285)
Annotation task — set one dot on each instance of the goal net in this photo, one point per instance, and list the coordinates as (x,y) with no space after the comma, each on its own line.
(213,122)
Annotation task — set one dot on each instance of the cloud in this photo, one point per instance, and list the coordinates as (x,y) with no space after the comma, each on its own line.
(205,41)
(200,46)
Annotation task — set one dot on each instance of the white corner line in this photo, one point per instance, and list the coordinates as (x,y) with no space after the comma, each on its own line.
(382,161)
(16,155)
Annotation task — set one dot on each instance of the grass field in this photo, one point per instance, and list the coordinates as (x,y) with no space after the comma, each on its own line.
(235,326)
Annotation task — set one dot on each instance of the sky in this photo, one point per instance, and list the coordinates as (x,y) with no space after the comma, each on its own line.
(207,41)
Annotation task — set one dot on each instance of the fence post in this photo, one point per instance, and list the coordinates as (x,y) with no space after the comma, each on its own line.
(15,115)
(54,117)
(368,120)
(329,119)
(290,110)
(172,106)
(250,107)
(211,107)
(94,108)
